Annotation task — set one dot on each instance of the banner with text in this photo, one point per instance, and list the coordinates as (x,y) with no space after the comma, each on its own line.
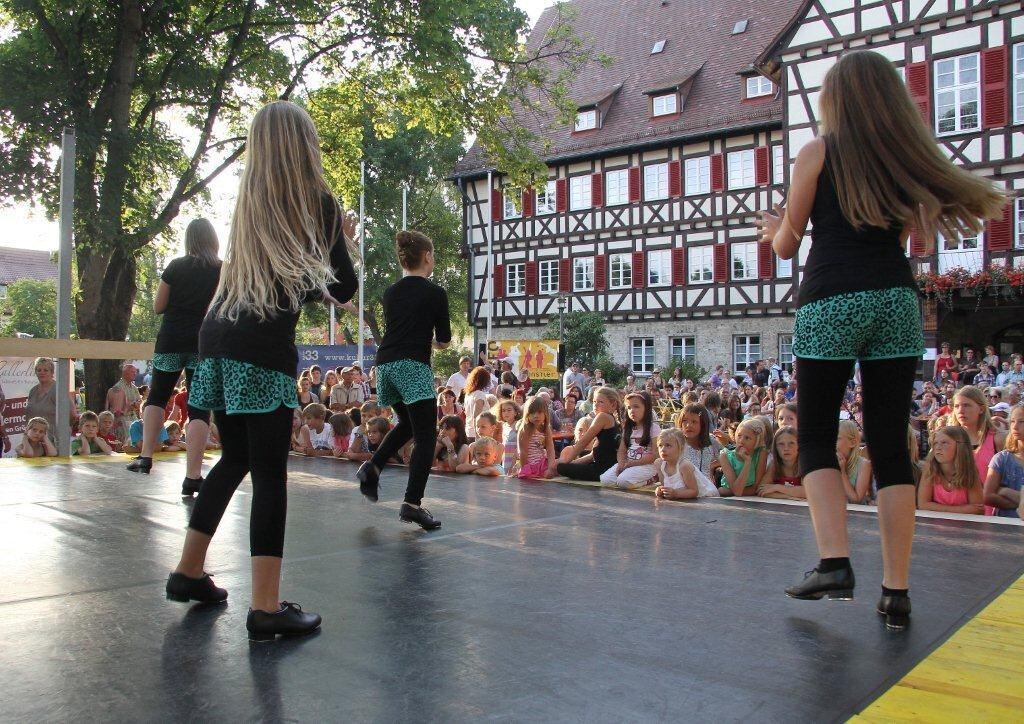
(17,377)
(330,356)
(539,356)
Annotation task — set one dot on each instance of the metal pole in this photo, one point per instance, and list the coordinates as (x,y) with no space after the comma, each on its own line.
(67,208)
(362,258)
(489,280)
(561,344)
(333,327)
(405,206)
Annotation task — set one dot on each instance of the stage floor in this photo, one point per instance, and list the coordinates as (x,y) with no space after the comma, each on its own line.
(535,601)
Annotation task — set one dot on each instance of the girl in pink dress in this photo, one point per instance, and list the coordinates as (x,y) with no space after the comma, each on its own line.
(950,482)
(536,444)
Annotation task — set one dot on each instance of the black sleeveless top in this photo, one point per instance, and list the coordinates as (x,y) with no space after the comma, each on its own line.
(607,450)
(844,260)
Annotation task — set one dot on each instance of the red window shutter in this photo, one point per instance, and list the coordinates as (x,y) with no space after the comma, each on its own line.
(994,92)
(639,282)
(918,247)
(675,179)
(679,266)
(721,263)
(565,275)
(531,278)
(761,169)
(999,232)
(529,196)
(600,273)
(497,205)
(634,184)
(499,280)
(920,92)
(597,190)
(717,172)
(561,195)
(765,260)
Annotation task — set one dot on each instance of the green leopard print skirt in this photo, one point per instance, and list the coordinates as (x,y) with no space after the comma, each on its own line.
(404,380)
(175,361)
(240,388)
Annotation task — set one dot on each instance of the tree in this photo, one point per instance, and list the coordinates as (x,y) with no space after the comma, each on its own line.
(159,94)
(584,337)
(33,308)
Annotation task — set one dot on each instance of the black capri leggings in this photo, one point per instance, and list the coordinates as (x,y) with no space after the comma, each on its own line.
(417,421)
(162,388)
(256,445)
(888,385)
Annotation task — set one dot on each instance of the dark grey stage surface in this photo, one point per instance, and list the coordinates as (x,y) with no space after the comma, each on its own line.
(534,602)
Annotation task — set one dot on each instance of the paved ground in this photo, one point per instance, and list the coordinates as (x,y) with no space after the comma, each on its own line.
(534,602)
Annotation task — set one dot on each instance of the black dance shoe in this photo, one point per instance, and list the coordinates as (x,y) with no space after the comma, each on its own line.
(369,481)
(895,610)
(291,620)
(837,585)
(182,588)
(420,516)
(141,465)
(190,487)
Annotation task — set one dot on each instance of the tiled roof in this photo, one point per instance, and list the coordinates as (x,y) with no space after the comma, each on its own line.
(699,43)
(18,264)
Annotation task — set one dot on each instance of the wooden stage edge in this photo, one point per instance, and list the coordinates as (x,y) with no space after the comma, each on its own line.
(74,348)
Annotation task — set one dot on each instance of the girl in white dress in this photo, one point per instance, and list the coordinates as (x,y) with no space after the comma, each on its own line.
(678,479)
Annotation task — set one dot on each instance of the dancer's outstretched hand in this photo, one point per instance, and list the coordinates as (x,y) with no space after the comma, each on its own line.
(769,222)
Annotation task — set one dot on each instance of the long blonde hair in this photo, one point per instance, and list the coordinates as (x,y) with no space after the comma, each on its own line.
(849,430)
(965,470)
(975,395)
(277,251)
(887,167)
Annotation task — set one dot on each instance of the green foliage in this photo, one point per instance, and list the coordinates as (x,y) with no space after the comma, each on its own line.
(445,362)
(32,306)
(584,337)
(145,323)
(689,371)
(614,372)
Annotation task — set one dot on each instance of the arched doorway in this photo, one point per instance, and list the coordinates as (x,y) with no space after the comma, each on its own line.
(1009,341)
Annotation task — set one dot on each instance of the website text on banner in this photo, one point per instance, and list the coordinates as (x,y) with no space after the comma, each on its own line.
(331,356)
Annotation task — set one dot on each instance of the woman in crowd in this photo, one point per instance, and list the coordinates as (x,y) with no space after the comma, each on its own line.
(1006,470)
(971,412)
(946,363)
(186,287)
(330,380)
(417,319)
(864,183)
(287,247)
(42,397)
(525,383)
(606,430)
(950,482)
(305,396)
(991,358)
(475,399)
(571,413)
(447,404)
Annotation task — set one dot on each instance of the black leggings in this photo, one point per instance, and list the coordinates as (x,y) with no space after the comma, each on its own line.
(583,471)
(257,445)
(888,384)
(162,388)
(417,422)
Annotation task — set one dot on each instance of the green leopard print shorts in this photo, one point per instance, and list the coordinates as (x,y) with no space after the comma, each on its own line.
(240,388)
(404,380)
(175,361)
(869,325)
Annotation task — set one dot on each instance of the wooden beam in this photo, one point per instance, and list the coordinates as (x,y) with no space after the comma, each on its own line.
(74,348)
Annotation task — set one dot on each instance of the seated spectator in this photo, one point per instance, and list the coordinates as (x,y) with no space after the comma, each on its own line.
(107,423)
(713,404)
(991,359)
(630,387)
(1003,376)
(744,466)
(484,458)
(702,450)
(519,397)
(88,440)
(175,440)
(448,405)
(487,426)
(363,447)
(677,478)
(134,444)
(971,412)
(508,414)
(535,441)
(635,458)
(330,380)
(347,392)
(296,443)
(753,410)
(985,377)
(950,482)
(342,426)
(475,398)
(316,437)
(854,468)
(1006,471)
(969,367)
(452,448)
(35,443)
(596,446)
(570,414)
(782,477)
(945,364)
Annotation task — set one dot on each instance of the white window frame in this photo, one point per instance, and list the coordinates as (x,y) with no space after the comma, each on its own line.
(786,350)
(741,169)
(645,347)
(616,187)
(579,193)
(758,86)
(547,276)
(620,271)
(586,120)
(783,268)
(700,259)
(545,199)
(684,348)
(1018,231)
(745,253)
(958,89)
(1018,83)
(746,349)
(583,274)
(778,164)
(656,181)
(698,176)
(659,268)
(515,280)
(665,104)
(508,195)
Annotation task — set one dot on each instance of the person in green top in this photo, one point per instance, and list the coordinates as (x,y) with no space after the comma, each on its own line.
(88,441)
(745,465)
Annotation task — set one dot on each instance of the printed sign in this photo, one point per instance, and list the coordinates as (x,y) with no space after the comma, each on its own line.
(17,377)
(539,356)
(330,356)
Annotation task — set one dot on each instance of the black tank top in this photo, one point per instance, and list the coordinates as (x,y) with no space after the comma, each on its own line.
(607,450)
(844,260)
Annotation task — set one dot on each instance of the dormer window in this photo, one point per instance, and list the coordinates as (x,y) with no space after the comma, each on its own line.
(658,47)
(586,120)
(759,86)
(666,104)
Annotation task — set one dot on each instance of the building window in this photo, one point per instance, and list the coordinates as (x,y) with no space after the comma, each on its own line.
(744,261)
(515,279)
(546,198)
(684,348)
(783,268)
(1018,83)
(698,176)
(1019,231)
(549,276)
(746,350)
(656,181)
(701,264)
(758,85)
(665,105)
(659,268)
(642,357)
(511,196)
(741,169)
(956,94)
(616,187)
(621,271)
(579,193)
(786,350)
(583,274)
(778,164)
(586,120)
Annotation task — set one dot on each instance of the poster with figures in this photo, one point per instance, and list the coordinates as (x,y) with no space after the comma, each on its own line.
(539,356)
(17,377)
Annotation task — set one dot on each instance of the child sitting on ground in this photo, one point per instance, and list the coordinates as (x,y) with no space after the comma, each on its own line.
(950,482)
(296,443)
(578,432)
(678,479)
(366,445)
(88,441)
(175,442)
(487,426)
(536,443)
(342,426)
(508,414)
(782,477)
(134,444)
(452,447)
(744,466)
(107,421)
(484,458)
(35,443)
(636,456)
(316,436)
